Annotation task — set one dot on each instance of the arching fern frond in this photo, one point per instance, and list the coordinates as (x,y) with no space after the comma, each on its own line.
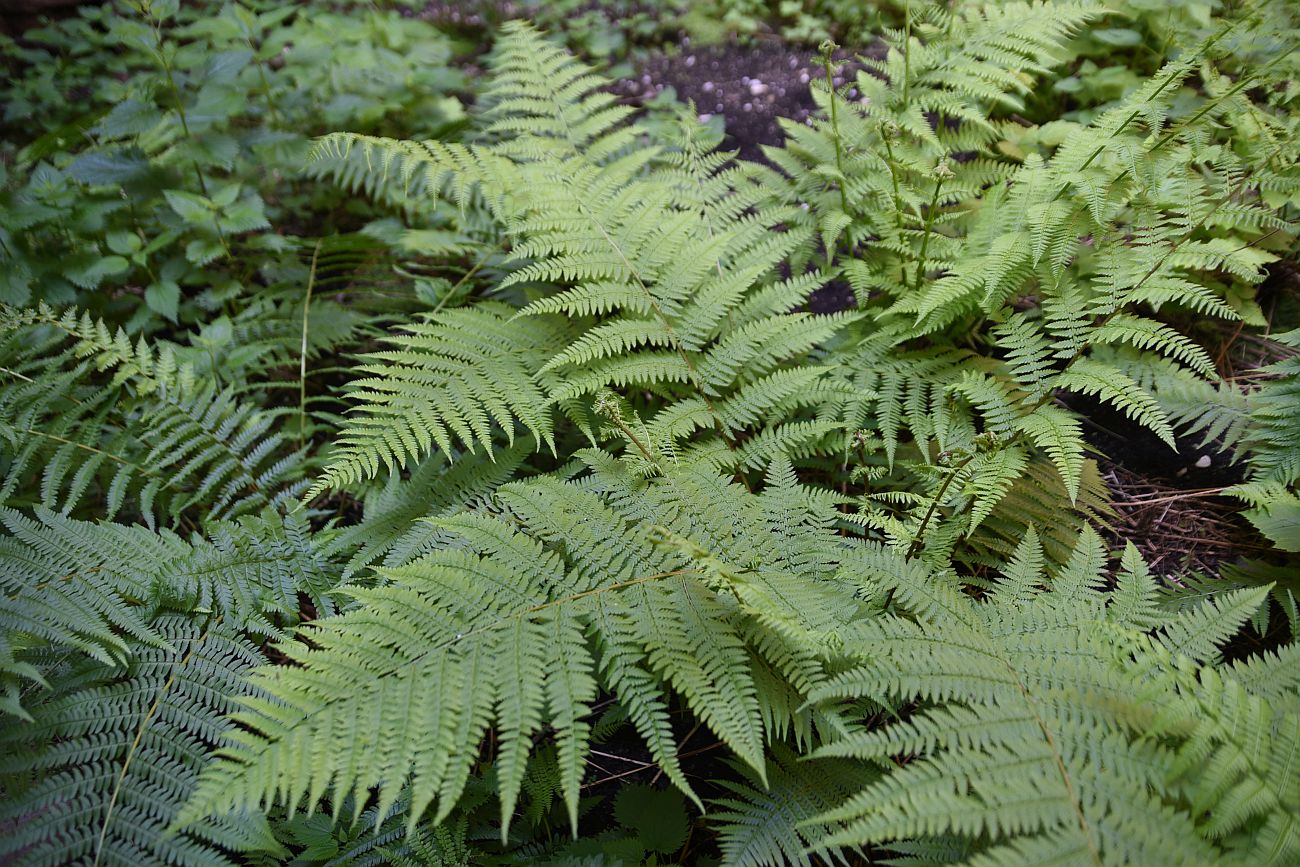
(643,270)
(111,753)
(461,377)
(640,586)
(90,589)
(1050,725)
(92,411)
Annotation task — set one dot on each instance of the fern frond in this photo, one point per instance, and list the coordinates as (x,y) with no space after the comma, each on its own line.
(457,378)
(150,429)
(79,588)
(662,262)
(519,598)
(111,755)
(1032,739)
(761,825)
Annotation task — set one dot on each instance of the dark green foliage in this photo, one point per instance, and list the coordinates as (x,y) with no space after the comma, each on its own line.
(109,755)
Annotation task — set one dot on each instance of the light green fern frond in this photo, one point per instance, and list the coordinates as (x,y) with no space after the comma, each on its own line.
(1050,726)
(762,825)
(462,377)
(669,584)
(644,269)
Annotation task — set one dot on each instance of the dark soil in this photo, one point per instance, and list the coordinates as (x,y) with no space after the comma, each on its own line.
(750,86)
(835,296)
(1133,447)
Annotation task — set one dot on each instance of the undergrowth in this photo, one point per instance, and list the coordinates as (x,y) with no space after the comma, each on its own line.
(400,467)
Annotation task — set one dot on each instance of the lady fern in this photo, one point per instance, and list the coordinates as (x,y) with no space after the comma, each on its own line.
(555,590)
(629,280)
(610,493)
(96,412)
(1053,724)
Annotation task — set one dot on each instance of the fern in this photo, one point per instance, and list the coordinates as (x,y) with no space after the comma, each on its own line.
(447,383)
(525,611)
(1049,720)
(678,273)
(152,430)
(1273,457)
(110,755)
(1067,256)
(89,589)
(765,823)
(378,536)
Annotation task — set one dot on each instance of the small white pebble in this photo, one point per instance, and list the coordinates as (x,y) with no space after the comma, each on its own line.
(757,88)
(794,61)
(749,106)
(705,118)
(690,61)
(645,79)
(744,79)
(707,87)
(803,78)
(1204,462)
(718,108)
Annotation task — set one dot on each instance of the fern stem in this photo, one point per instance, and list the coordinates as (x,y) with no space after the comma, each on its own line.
(302,356)
(465,278)
(918,541)
(887,138)
(1060,765)
(135,745)
(21,376)
(827,48)
(907,49)
(112,457)
(627,432)
(929,225)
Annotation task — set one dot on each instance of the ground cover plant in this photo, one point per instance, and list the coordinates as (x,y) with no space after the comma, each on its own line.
(413,451)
